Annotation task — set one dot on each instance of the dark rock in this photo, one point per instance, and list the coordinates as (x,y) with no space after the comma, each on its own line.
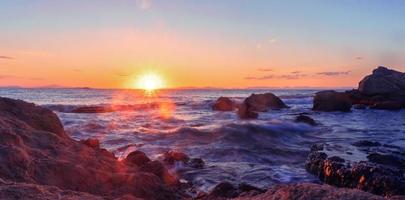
(259,103)
(223,104)
(377,179)
(245,112)
(93,109)
(138,158)
(359,106)
(34,149)
(264,102)
(383,81)
(224,189)
(196,163)
(93,143)
(173,156)
(330,100)
(390,160)
(309,191)
(157,168)
(305,119)
(387,105)
(366,143)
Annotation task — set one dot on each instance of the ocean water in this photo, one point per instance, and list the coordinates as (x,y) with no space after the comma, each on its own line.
(262,152)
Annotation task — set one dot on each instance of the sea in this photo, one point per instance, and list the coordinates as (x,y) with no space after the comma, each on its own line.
(263,152)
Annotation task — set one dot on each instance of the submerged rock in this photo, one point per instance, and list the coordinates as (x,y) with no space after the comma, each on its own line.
(359,106)
(387,105)
(34,149)
(305,119)
(330,100)
(223,104)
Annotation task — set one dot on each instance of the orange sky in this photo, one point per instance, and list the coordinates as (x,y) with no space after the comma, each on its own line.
(113,56)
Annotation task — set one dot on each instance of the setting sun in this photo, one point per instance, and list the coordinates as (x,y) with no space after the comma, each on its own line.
(149,82)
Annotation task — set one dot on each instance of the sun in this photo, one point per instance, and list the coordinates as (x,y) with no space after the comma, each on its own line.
(149,82)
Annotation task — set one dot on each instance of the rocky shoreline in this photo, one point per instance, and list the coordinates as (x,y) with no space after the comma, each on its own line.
(38,160)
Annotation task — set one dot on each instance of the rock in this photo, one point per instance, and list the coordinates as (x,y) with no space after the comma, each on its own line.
(359,106)
(224,189)
(383,81)
(245,112)
(387,105)
(24,191)
(305,119)
(93,109)
(389,160)
(29,116)
(34,149)
(173,156)
(259,103)
(264,102)
(157,168)
(330,100)
(223,104)
(138,158)
(308,191)
(196,163)
(93,143)
(370,177)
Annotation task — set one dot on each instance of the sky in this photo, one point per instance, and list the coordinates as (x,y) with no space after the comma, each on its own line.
(195,43)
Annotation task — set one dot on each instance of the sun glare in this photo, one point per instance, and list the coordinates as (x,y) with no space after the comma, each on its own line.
(150,82)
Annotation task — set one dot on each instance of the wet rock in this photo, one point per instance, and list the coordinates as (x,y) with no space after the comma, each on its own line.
(307,191)
(305,119)
(173,156)
(359,106)
(157,168)
(370,177)
(245,112)
(383,81)
(366,143)
(223,104)
(196,163)
(138,158)
(330,100)
(264,102)
(390,160)
(34,149)
(93,143)
(93,109)
(387,105)
(224,189)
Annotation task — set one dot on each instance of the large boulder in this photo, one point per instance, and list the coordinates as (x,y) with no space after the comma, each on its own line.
(330,100)
(259,103)
(34,149)
(383,81)
(223,104)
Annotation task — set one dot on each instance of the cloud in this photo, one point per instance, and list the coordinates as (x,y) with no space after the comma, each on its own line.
(334,73)
(5,76)
(265,70)
(144,4)
(283,76)
(296,72)
(359,58)
(272,40)
(6,57)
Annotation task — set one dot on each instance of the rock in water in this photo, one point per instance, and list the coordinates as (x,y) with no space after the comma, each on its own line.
(330,100)
(305,119)
(223,104)
(383,81)
(264,102)
(34,149)
(259,103)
